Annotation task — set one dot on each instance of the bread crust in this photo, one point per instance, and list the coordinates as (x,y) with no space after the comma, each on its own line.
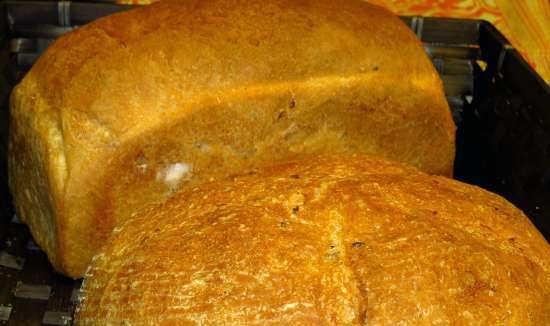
(337,240)
(122,112)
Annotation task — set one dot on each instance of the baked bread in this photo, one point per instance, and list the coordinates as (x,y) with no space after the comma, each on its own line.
(328,241)
(124,111)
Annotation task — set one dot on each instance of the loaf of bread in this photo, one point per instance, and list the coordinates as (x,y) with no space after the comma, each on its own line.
(328,241)
(123,112)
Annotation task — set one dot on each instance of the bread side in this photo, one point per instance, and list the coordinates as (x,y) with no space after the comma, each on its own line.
(160,98)
(37,169)
(336,240)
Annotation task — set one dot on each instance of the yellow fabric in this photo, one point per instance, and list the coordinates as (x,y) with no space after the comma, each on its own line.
(526,23)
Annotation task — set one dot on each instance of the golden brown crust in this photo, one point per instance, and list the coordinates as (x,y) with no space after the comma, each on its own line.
(337,240)
(217,86)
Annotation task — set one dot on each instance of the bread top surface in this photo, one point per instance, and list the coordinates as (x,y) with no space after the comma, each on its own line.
(191,49)
(337,240)
(121,75)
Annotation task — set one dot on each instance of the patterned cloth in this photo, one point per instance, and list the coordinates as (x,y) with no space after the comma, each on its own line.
(526,23)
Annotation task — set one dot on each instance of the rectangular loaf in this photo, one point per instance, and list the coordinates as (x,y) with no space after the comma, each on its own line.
(122,112)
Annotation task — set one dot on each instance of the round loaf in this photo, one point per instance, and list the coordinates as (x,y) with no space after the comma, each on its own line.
(124,111)
(337,240)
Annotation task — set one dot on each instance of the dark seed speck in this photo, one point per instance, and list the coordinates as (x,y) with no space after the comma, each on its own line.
(358,244)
